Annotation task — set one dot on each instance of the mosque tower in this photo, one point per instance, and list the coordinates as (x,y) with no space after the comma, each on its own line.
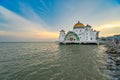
(62,36)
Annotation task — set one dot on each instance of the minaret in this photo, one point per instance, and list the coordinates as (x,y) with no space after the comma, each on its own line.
(61,36)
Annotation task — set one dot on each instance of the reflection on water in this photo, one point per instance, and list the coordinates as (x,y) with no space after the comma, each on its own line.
(50,61)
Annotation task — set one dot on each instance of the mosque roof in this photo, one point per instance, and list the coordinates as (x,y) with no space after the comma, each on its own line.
(78,25)
(88,25)
(62,30)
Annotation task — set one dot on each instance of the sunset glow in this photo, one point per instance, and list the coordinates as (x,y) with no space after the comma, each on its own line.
(43,19)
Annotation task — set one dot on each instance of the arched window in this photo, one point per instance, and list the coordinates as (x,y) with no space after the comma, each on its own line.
(91,38)
(86,37)
(71,36)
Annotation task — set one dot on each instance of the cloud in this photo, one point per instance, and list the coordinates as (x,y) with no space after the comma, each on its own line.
(31,15)
(100,14)
(16,26)
(109,28)
(41,19)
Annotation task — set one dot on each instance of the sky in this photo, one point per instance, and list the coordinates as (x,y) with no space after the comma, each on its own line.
(41,20)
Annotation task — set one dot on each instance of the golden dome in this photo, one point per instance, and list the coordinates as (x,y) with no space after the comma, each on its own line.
(78,25)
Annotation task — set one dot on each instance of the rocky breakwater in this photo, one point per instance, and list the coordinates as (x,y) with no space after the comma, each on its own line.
(113,61)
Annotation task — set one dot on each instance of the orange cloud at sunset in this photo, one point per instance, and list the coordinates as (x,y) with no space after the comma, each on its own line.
(34,34)
(109,29)
(21,28)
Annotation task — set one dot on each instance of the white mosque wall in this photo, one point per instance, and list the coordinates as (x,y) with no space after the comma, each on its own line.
(86,35)
(61,36)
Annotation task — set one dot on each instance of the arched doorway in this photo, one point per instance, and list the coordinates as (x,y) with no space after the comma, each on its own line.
(71,36)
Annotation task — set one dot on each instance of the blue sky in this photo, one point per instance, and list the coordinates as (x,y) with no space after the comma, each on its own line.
(34,20)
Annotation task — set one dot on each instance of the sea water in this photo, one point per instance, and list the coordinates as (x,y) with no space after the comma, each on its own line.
(51,61)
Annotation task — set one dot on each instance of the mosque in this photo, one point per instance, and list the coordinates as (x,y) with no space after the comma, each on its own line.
(82,34)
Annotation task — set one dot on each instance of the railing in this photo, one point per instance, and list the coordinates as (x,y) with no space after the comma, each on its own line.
(80,42)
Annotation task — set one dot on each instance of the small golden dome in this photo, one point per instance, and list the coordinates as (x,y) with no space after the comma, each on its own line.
(78,25)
